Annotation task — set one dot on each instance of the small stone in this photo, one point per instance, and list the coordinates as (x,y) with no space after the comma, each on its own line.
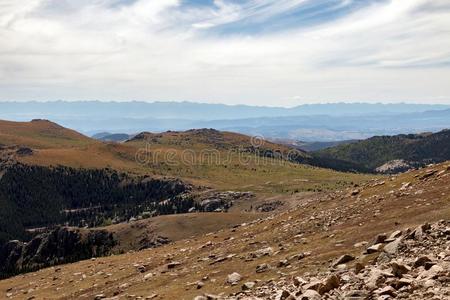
(429,283)
(299,281)
(285,295)
(262,268)
(282,263)
(356,294)
(376,278)
(358,267)
(388,290)
(394,235)
(262,252)
(392,247)
(360,244)
(421,261)
(375,248)
(332,282)
(248,285)
(402,282)
(343,259)
(314,285)
(234,278)
(173,265)
(380,239)
(124,286)
(399,269)
(310,295)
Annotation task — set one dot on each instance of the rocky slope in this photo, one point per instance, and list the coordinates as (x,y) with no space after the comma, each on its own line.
(329,243)
(62,245)
(409,264)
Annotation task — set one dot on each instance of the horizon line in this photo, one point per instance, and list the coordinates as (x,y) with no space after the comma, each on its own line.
(225,104)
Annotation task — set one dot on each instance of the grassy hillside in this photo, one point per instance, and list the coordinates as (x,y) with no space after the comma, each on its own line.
(220,160)
(40,134)
(369,154)
(227,160)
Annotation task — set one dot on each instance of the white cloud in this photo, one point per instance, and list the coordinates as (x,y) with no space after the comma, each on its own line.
(161,50)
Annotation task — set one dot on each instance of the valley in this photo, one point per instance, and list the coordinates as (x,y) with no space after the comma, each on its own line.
(53,178)
(199,213)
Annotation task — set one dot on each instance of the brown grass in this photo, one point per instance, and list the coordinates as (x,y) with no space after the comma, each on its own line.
(235,170)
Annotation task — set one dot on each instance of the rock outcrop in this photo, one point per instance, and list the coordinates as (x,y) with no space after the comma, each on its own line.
(61,245)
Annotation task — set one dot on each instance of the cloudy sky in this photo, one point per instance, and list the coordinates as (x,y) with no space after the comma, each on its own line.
(266,52)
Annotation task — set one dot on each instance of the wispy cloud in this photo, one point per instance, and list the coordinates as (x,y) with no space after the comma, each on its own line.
(255,51)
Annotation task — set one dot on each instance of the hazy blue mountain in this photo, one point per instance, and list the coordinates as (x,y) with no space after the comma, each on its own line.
(315,146)
(192,111)
(314,122)
(112,137)
(336,128)
(100,135)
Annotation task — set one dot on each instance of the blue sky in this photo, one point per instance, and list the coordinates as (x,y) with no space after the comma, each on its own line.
(284,52)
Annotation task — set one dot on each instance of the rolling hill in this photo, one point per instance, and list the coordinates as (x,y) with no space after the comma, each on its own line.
(217,159)
(40,134)
(51,176)
(403,151)
(227,160)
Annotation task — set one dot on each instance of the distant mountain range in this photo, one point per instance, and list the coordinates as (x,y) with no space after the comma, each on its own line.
(308,123)
(195,111)
(316,146)
(111,137)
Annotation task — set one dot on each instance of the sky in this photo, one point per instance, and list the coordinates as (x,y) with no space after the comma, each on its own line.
(255,52)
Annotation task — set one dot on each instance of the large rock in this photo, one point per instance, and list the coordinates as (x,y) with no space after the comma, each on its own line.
(267,251)
(332,282)
(324,286)
(262,268)
(376,278)
(399,269)
(421,261)
(419,232)
(392,247)
(432,273)
(343,259)
(375,248)
(234,278)
(248,285)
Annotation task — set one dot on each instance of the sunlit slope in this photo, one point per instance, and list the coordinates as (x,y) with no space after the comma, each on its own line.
(40,134)
(220,160)
(234,161)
